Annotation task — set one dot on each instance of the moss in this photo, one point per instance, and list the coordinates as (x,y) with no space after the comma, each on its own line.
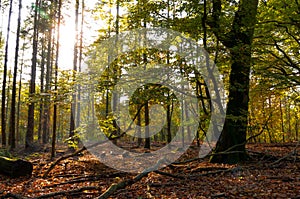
(5,153)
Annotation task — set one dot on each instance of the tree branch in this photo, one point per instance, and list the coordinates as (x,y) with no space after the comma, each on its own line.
(121,185)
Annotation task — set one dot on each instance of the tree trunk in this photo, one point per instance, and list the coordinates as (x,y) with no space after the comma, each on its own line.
(46,115)
(75,59)
(42,89)
(15,168)
(169,119)
(147,121)
(12,127)
(139,133)
(80,62)
(53,144)
(281,120)
(30,126)
(3,103)
(19,95)
(239,41)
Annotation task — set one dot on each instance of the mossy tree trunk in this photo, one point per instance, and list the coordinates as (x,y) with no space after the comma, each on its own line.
(239,41)
(15,168)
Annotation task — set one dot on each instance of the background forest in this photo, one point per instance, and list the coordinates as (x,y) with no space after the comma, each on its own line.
(38,79)
(46,47)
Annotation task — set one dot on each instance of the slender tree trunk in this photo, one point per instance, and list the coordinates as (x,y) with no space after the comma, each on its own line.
(169,118)
(80,62)
(281,120)
(296,125)
(288,114)
(46,115)
(3,104)
(30,125)
(270,121)
(75,59)
(8,101)
(147,121)
(146,90)
(55,106)
(19,95)
(12,127)
(115,72)
(139,123)
(42,77)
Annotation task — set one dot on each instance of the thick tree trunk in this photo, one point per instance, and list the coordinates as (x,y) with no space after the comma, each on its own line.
(15,168)
(238,41)
(235,127)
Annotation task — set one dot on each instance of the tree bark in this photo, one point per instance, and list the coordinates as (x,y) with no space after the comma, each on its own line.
(238,41)
(30,126)
(12,127)
(75,59)
(53,144)
(19,94)
(3,103)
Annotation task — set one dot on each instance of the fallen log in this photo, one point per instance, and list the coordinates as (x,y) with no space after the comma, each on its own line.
(15,168)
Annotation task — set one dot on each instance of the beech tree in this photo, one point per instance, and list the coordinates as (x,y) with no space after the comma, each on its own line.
(239,42)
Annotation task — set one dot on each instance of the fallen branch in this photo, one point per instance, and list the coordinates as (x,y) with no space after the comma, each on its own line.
(176,184)
(187,161)
(91,146)
(190,176)
(202,169)
(87,178)
(74,154)
(287,145)
(292,153)
(61,159)
(169,174)
(121,185)
(63,193)
(74,181)
(213,173)
(211,154)
(11,195)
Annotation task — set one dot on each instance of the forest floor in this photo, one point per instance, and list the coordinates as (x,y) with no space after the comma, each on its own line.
(272,172)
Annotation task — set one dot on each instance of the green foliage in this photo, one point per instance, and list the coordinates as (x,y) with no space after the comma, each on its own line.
(73,141)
